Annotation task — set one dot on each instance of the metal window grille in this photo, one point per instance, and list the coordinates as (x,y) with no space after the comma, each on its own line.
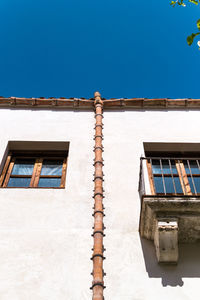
(174,176)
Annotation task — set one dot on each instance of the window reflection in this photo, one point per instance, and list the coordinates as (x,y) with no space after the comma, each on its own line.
(49,182)
(23,167)
(52,167)
(19,182)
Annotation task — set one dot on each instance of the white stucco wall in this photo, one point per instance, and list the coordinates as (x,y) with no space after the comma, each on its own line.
(45,235)
(131,265)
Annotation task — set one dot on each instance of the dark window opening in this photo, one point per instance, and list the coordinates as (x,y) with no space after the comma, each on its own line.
(34,170)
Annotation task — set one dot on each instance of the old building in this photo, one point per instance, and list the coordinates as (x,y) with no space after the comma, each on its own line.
(99,198)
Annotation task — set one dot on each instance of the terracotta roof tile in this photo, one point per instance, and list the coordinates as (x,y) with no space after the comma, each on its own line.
(161,103)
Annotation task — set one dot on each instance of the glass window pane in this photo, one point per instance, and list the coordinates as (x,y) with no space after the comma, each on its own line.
(52,167)
(159,185)
(23,167)
(178,185)
(156,166)
(165,166)
(173,166)
(19,182)
(197,183)
(193,166)
(49,182)
(169,185)
(186,167)
(191,184)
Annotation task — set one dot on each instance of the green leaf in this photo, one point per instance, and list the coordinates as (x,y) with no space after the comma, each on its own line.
(191,37)
(194,1)
(198,24)
(173,3)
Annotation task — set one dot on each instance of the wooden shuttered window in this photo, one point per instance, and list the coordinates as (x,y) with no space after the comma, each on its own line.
(34,170)
(174,176)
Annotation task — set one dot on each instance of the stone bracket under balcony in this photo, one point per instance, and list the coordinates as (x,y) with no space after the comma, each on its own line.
(166,240)
(168,221)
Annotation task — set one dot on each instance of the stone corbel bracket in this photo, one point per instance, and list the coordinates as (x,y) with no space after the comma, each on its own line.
(169,221)
(166,240)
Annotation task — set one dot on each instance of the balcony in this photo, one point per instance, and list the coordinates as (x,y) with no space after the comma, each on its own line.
(169,189)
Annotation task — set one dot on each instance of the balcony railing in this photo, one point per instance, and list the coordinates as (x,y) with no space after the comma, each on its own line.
(169,176)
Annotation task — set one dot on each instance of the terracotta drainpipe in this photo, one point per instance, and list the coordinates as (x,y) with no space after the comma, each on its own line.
(98,234)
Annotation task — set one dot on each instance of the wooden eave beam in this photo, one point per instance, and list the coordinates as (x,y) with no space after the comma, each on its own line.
(141,103)
(37,102)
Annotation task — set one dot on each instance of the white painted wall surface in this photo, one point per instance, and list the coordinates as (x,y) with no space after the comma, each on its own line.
(131,265)
(45,235)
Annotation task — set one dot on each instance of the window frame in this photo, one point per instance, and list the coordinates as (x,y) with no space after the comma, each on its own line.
(181,174)
(39,157)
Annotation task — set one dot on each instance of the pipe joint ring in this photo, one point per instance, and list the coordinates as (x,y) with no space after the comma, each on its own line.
(98,194)
(100,212)
(98,147)
(98,136)
(98,177)
(97,255)
(98,125)
(98,162)
(98,231)
(99,284)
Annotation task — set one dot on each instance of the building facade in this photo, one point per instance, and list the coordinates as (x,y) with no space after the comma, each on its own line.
(119,176)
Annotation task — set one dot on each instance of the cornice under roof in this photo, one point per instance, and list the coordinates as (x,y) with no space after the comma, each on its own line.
(138,103)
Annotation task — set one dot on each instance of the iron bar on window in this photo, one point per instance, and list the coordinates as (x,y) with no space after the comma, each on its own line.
(177,174)
(197,161)
(162,176)
(188,163)
(171,158)
(170,166)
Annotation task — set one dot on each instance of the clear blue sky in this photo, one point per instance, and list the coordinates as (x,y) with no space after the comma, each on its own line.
(72,48)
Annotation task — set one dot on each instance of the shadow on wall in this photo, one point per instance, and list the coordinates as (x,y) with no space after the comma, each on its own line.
(173,275)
